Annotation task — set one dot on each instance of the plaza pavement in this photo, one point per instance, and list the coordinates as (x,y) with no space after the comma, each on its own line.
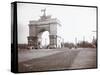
(57,59)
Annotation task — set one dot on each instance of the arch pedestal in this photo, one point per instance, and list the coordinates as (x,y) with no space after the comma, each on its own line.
(53,41)
(33,41)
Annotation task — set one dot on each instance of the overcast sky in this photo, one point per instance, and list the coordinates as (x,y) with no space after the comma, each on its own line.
(76,22)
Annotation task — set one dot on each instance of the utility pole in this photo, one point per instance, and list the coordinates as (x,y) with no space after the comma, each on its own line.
(76,42)
(94,40)
(94,32)
(83,41)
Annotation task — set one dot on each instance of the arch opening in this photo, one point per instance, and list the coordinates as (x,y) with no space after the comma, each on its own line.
(43,39)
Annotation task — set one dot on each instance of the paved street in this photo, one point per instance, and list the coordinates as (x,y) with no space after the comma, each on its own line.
(55,59)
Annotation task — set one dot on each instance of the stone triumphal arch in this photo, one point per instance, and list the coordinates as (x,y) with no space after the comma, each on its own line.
(37,27)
